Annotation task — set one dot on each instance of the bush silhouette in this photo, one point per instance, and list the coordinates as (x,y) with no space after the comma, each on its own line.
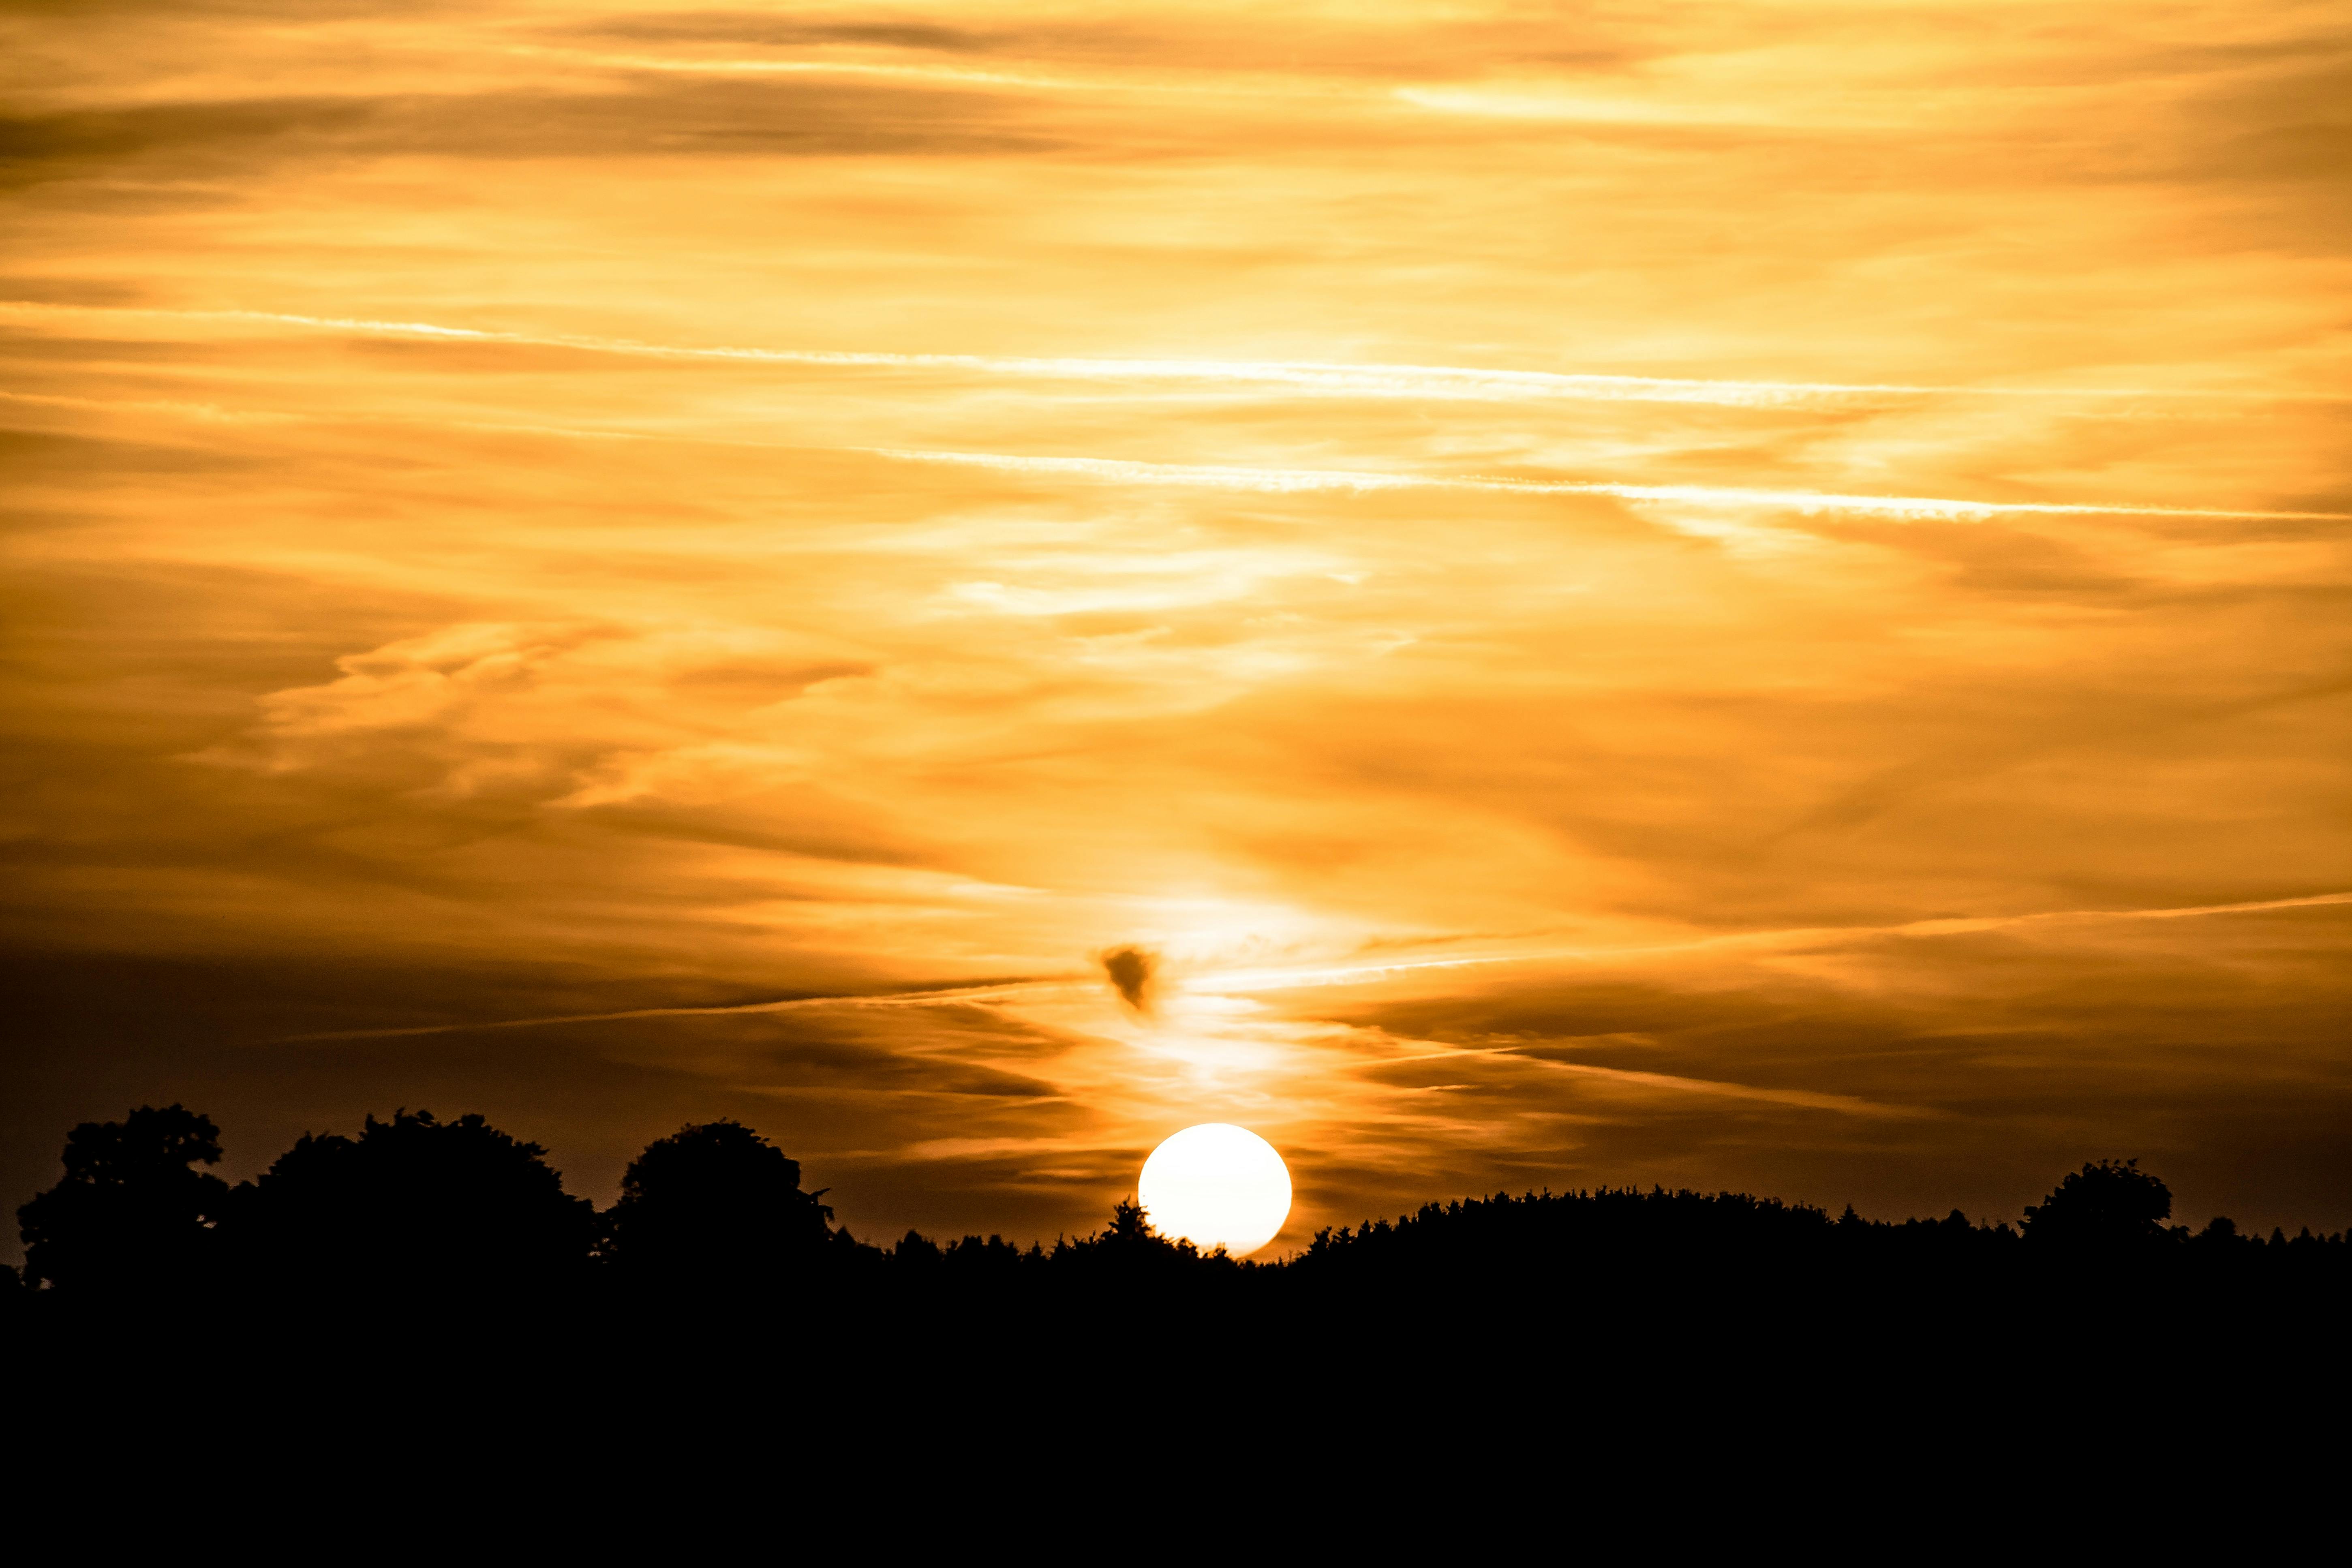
(129,1213)
(715,1204)
(412,1204)
(2108,1204)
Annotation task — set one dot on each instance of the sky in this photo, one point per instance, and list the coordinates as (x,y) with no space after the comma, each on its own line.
(1748,594)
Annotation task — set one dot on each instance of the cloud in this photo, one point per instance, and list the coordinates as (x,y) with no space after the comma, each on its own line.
(1906,1058)
(1303,379)
(763,28)
(192,137)
(1285,481)
(232,11)
(235,138)
(1132,972)
(591,713)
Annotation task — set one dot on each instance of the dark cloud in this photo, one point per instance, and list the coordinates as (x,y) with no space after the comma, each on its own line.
(1573,37)
(37,148)
(765,28)
(2273,144)
(66,290)
(2310,151)
(91,1034)
(1986,558)
(35,454)
(1130,970)
(63,350)
(2006,1057)
(223,10)
(662,117)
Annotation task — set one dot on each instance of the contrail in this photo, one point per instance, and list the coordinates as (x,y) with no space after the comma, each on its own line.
(159,406)
(1342,975)
(1255,87)
(1278,481)
(1292,480)
(925,998)
(1442,382)
(2178,912)
(961,76)
(216,414)
(1303,978)
(955,74)
(1808,1098)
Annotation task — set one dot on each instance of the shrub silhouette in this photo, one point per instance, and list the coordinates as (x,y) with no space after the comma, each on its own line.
(715,1204)
(129,1213)
(2105,1205)
(412,1204)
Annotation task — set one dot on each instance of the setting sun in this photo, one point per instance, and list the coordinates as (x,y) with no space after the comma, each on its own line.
(1216,1185)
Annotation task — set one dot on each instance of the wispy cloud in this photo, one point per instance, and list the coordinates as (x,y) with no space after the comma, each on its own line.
(1249,86)
(926,996)
(1026,988)
(1282,482)
(172,407)
(1809,1099)
(969,75)
(1569,106)
(1269,481)
(1315,975)
(1442,382)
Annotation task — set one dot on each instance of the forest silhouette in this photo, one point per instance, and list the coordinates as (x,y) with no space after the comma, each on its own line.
(422,1306)
(458,1216)
(419,1315)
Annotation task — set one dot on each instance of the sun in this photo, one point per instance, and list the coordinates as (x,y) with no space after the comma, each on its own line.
(1216,1184)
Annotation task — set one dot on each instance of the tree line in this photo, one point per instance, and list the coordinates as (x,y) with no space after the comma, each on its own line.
(415,1207)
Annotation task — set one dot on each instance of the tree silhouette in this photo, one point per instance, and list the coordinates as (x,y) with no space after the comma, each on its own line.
(412,1204)
(1130,1227)
(2106,1205)
(358,1233)
(715,1204)
(130,1212)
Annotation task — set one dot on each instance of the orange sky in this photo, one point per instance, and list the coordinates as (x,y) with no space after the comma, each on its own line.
(1744,595)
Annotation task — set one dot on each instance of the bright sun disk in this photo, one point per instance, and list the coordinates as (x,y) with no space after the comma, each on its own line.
(1216,1184)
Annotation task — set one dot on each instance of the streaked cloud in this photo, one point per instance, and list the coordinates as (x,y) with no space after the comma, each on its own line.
(1284,482)
(1447,383)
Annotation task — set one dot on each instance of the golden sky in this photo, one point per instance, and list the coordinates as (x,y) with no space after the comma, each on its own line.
(1751,595)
